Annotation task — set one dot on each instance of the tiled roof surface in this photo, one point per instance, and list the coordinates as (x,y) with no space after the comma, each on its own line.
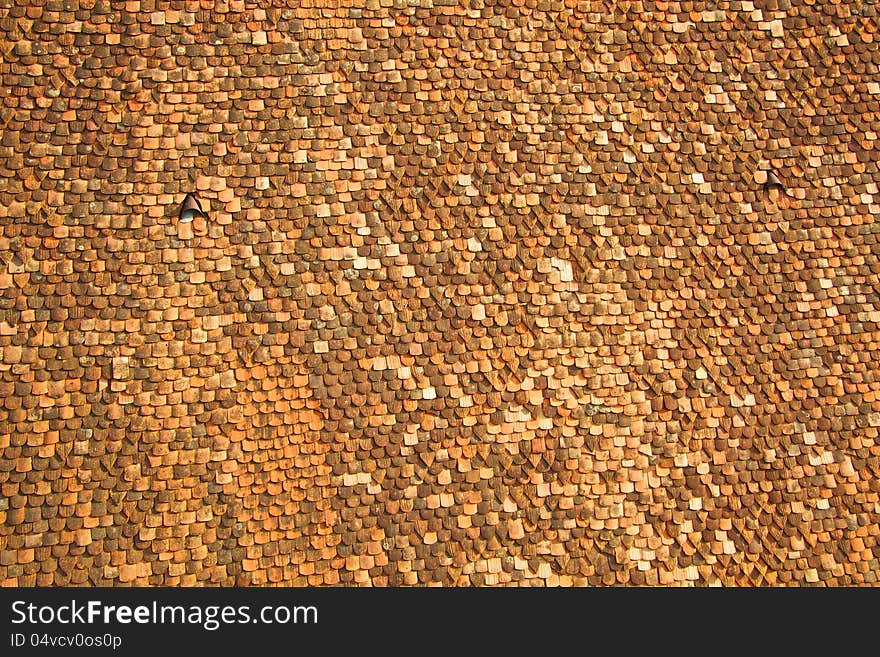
(488,293)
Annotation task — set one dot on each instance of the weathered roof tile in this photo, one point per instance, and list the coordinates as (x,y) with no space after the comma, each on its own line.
(481,296)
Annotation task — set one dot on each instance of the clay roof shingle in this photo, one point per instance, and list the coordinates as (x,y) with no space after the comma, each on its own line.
(486,294)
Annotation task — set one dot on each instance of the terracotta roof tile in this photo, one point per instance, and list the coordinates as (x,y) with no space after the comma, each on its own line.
(544,295)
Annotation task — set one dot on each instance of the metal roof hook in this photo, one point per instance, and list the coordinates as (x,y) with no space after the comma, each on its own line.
(768,179)
(191,208)
(775,195)
(773,182)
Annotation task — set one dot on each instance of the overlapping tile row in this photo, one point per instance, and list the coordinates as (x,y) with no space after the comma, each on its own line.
(489,293)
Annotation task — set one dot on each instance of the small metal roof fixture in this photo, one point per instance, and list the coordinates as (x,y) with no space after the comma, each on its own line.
(773,182)
(191,208)
(768,179)
(775,195)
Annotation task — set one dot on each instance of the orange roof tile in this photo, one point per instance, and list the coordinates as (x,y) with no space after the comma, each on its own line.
(484,295)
